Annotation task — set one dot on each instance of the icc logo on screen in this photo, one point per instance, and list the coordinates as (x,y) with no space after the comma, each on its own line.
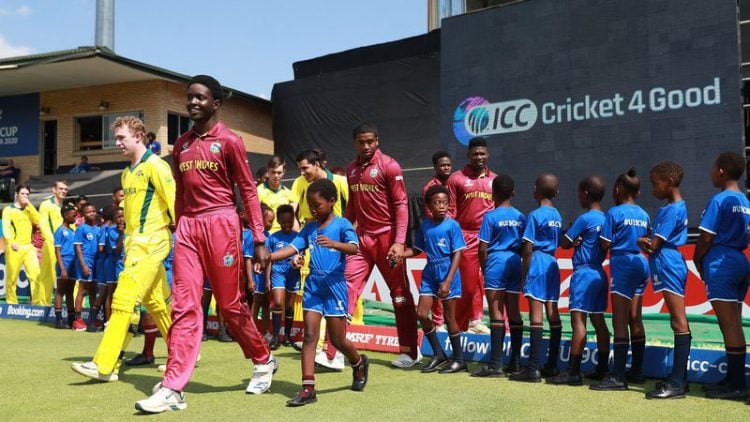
(476,116)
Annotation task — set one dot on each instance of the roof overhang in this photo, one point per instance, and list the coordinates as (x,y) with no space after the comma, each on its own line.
(82,67)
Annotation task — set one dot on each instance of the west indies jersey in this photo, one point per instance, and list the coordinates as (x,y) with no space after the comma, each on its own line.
(377,196)
(206,168)
(470,197)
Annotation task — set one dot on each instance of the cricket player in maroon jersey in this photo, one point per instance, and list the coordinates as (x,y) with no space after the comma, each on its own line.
(208,161)
(441,162)
(378,205)
(470,198)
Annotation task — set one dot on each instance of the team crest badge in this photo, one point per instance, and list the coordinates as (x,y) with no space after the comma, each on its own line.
(215,148)
(185,146)
(89,236)
(442,242)
(373,172)
(228,260)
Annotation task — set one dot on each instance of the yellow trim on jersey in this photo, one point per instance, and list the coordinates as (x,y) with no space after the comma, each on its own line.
(149,195)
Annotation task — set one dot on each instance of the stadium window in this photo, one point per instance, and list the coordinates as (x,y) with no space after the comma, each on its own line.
(177,124)
(95,132)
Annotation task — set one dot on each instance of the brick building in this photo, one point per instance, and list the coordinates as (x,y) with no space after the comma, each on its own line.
(56,107)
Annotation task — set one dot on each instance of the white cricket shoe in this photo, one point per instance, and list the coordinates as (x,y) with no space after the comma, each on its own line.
(262,377)
(162,400)
(337,363)
(478,327)
(405,361)
(89,369)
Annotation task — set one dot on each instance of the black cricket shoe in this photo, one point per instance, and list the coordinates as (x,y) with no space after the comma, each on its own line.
(303,398)
(360,374)
(140,359)
(526,375)
(609,383)
(665,390)
(287,343)
(635,377)
(273,343)
(434,364)
(549,371)
(727,393)
(486,371)
(454,366)
(60,325)
(565,378)
(596,375)
(513,366)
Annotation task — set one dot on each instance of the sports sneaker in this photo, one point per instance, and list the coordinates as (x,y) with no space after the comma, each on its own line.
(303,398)
(610,383)
(405,361)
(337,363)
(140,359)
(60,325)
(274,343)
(89,369)
(162,367)
(79,325)
(478,327)
(224,337)
(164,399)
(360,374)
(262,377)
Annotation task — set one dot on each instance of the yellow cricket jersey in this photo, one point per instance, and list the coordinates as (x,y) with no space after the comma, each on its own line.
(50,218)
(299,190)
(17,223)
(275,198)
(149,195)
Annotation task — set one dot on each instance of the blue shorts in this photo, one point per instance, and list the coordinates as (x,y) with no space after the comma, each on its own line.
(285,277)
(668,271)
(100,268)
(119,266)
(325,293)
(629,274)
(433,275)
(503,272)
(69,265)
(543,278)
(92,270)
(725,272)
(260,283)
(588,290)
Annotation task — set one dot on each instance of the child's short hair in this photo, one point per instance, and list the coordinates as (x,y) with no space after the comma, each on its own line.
(477,142)
(668,170)
(629,182)
(732,163)
(116,189)
(284,209)
(503,187)
(88,204)
(324,188)
(434,190)
(67,206)
(438,155)
(264,208)
(547,185)
(594,186)
(108,212)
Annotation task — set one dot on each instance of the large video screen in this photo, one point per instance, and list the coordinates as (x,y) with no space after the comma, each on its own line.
(581,87)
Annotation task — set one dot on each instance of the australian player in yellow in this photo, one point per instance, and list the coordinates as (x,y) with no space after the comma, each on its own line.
(49,221)
(149,206)
(273,193)
(18,220)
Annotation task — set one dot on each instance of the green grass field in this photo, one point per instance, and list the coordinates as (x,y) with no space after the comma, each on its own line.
(36,383)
